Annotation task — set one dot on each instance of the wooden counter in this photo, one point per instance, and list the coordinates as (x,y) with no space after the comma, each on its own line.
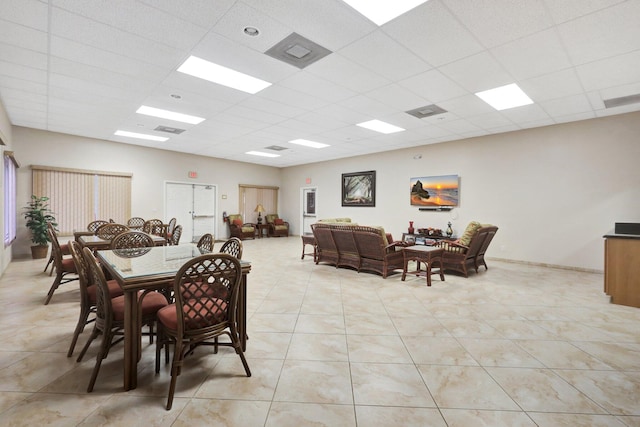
(622,268)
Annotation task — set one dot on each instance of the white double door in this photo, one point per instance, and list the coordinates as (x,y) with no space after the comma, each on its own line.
(193,206)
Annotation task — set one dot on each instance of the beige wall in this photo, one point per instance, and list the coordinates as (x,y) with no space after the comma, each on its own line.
(151,168)
(553,191)
(6,137)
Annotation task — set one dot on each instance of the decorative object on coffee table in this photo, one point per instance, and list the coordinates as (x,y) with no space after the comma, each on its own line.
(449,229)
(411,229)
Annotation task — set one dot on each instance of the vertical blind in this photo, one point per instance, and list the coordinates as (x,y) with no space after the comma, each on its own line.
(78,197)
(251,196)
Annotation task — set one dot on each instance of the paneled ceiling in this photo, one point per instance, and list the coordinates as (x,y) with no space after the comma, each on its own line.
(84,67)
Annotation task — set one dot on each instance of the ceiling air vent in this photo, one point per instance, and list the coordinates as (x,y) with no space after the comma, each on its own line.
(297,51)
(623,100)
(275,148)
(426,111)
(175,131)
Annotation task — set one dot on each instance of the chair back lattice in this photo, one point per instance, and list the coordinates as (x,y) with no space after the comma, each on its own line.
(110,230)
(135,223)
(154,226)
(171,226)
(206,290)
(132,239)
(206,243)
(233,247)
(56,251)
(94,225)
(175,236)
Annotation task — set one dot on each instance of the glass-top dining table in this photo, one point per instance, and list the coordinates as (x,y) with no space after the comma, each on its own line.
(155,268)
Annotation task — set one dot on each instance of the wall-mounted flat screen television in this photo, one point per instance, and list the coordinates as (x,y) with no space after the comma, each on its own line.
(440,190)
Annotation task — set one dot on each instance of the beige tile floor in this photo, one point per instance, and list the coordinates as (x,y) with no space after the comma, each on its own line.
(517,345)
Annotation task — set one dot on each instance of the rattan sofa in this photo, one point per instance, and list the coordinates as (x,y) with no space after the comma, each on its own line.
(359,247)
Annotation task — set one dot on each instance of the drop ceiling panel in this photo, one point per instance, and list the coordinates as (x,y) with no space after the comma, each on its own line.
(249,114)
(344,72)
(305,82)
(398,97)
(273,107)
(533,55)
(574,104)
(602,34)
(495,24)
(477,73)
(434,86)
(27,86)
(467,106)
(102,36)
(20,72)
(30,13)
(527,114)
(23,37)
(567,10)
(292,97)
(434,34)
(397,63)
(140,19)
(552,86)
(28,58)
(204,88)
(490,120)
(367,106)
(616,71)
(199,12)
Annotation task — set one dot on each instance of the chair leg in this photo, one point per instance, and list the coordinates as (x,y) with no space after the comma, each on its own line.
(175,371)
(54,286)
(102,354)
(82,321)
(94,334)
(48,263)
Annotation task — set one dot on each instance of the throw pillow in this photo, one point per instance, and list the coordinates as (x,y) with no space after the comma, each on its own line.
(237,222)
(278,221)
(471,229)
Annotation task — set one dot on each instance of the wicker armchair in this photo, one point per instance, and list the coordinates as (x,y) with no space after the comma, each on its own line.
(461,254)
(238,228)
(277,226)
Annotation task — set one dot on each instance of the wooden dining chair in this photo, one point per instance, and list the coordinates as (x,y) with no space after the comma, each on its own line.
(64,266)
(94,225)
(171,226)
(88,293)
(206,242)
(233,247)
(206,297)
(132,239)
(155,227)
(110,314)
(110,230)
(135,223)
(175,236)
(64,249)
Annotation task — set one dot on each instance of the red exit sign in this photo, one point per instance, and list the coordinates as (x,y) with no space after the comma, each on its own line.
(193,174)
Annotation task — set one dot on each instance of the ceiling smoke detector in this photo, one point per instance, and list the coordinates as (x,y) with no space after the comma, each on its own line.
(297,51)
(426,111)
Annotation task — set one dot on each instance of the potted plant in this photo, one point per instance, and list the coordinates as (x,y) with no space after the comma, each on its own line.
(38,217)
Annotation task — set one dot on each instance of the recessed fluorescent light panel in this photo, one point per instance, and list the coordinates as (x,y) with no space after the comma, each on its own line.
(383,11)
(308,143)
(260,153)
(379,126)
(504,97)
(215,73)
(140,136)
(170,115)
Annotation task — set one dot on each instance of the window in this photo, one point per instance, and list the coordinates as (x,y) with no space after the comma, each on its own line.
(78,197)
(10,209)
(251,196)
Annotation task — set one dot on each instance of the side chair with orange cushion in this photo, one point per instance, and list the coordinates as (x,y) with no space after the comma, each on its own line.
(238,228)
(277,226)
(64,266)
(469,249)
(87,293)
(206,289)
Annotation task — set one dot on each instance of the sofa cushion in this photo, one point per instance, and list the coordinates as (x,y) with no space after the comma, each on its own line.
(471,229)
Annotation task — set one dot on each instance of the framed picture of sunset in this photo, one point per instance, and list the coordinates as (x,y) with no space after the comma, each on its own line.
(440,190)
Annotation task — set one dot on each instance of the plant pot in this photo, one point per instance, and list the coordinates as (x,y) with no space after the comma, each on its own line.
(39,251)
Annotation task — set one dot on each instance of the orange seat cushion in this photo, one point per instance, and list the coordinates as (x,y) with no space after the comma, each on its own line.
(211,311)
(152,302)
(68,265)
(114,291)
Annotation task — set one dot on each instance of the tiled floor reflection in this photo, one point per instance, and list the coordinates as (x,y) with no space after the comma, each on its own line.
(517,345)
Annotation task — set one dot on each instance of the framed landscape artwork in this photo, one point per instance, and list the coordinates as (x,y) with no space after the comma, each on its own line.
(359,189)
(435,190)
